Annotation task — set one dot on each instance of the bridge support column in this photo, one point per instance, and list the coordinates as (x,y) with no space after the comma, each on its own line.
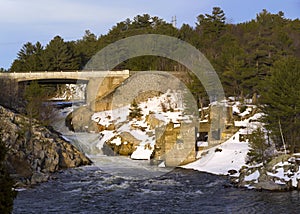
(98,88)
(92,89)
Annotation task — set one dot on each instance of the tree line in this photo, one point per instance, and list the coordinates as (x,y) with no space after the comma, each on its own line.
(242,54)
(257,57)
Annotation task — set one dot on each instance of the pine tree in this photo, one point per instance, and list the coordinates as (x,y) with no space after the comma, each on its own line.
(29,58)
(35,108)
(258,152)
(86,47)
(281,101)
(60,55)
(7,194)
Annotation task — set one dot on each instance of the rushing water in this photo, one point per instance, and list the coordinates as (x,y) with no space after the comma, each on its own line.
(90,190)
(121,185)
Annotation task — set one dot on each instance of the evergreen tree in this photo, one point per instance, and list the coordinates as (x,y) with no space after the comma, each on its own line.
(258,152)
(35,95)
(7,194)
(281,103)
(86,47)
(29,58)
(60,55)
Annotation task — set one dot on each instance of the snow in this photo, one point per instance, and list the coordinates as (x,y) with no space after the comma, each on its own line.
(246,112)
(71,92)
(202,143)
(254,176)
(235,109)
(141,153)
(232,153)
(117,141)
(105,135)
(232,156)
(283,175)
(140,129)
(250,123)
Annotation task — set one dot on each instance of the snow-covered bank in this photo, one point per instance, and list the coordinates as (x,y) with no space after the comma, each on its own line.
(222,159)
(231,155)
(280,174)
(230,158)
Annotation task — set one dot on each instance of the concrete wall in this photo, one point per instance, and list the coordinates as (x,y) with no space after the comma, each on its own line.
(175,145)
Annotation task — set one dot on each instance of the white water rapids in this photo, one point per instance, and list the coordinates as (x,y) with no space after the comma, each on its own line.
(91,145)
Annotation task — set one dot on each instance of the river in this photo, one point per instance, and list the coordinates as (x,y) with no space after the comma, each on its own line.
(91,190)
(121,185)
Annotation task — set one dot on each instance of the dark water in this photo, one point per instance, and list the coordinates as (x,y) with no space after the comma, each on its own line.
(90,190)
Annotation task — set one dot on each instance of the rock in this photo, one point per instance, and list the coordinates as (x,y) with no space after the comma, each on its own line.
(80,120)
(153,122)
(270,185)
(298,184)
(31,157)
(232,171)
(127,147)
(127,137)
(38,177)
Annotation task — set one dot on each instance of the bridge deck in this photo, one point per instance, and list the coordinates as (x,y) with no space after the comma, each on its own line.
(80,75)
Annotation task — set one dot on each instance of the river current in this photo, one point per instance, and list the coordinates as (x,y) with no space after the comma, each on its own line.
(90,190)
(121,185)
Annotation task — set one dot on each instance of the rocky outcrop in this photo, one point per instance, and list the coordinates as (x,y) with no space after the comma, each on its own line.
(35,152)
(80,120)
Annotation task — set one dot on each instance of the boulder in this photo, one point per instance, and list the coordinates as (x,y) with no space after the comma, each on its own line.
(127,147)
(80,120)
(153,122)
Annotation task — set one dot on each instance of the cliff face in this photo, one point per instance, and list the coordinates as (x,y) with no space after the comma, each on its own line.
(33,155)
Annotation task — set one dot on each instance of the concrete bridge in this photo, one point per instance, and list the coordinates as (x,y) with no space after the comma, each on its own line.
(99,83)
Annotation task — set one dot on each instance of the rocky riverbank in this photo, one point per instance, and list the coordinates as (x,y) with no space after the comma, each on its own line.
(280,174)
(35,152)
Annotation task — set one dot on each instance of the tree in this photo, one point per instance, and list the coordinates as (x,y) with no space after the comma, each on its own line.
(35,95)
(60,55)
(188,34)
(29,58)
(2,70)
(7,194)
(281,103)
(86,47)
(258,152)
(211,25)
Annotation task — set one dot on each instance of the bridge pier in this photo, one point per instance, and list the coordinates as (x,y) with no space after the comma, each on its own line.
(98,88)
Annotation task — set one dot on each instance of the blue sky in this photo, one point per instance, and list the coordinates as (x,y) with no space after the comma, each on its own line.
(40,20)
